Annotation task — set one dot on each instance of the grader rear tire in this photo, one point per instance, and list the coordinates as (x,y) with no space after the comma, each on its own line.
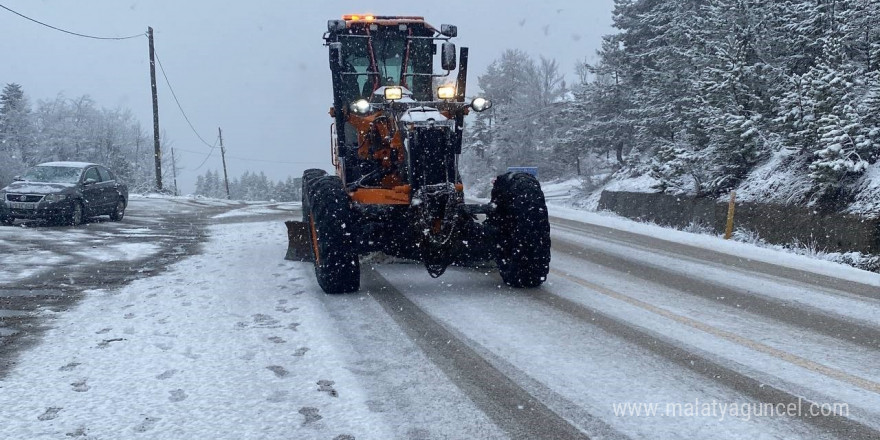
(333,236)
(523,230)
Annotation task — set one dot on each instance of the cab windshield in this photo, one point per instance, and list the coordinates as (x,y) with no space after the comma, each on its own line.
(386,58)
(50,174)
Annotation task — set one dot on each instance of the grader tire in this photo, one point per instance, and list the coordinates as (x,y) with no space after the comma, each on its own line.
(333,236)
(523,230)
(309,176)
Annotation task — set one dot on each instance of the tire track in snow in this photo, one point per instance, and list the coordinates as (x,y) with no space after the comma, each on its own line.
(728,261)
(834,373)
(802,316)
(512,408)
(702,363)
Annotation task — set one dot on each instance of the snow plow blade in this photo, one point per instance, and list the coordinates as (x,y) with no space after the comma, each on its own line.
(299,246)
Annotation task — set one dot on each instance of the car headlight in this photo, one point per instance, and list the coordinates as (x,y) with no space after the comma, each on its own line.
(361,106)
(480,104)
(52,198)
(446,92)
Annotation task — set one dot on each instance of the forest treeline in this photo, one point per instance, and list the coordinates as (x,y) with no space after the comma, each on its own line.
(697,94)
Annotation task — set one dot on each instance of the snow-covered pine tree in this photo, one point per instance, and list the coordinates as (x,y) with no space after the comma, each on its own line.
(840,132)
(16,127)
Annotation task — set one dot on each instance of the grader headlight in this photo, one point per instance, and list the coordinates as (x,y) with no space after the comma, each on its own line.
(446,92)
(393,93)
(361,107)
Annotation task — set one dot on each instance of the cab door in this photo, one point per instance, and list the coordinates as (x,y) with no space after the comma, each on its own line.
(93,193)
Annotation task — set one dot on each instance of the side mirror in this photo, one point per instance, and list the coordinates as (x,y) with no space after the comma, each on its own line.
(335,25)
(447,56)
(17,179)
(336,54)
(449,30)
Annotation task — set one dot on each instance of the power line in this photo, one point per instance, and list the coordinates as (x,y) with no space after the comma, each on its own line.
(69,32)
(174,95)
(207,157)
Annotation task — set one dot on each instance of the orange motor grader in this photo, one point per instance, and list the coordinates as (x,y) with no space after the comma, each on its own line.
(396,138)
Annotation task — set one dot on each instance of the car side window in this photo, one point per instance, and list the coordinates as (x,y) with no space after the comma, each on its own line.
(106,175)
(92,173)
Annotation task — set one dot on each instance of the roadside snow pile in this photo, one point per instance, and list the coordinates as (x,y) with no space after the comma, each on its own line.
(229,344)
(776,181)
(858,260)
(584,193)
(644,183)
(561,191)
(748,247)
(867,201)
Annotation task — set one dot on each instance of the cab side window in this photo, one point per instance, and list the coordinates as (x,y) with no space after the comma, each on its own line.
(92,173)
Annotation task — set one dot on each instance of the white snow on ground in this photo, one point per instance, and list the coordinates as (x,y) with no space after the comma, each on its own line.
(642,183)
(767,368)
(774,181)
(561,191)
(830,351)
(20,266)
(230,344)
(260,209)
(868,199)
(120,252)
(63,245)
(718,244)
(595,370)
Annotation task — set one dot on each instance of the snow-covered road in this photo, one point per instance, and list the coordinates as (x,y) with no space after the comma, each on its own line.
(695,335)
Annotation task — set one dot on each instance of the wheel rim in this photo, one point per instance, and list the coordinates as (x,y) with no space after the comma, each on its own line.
(120,209)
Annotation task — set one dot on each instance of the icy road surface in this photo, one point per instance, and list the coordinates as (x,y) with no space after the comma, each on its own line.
(203,331)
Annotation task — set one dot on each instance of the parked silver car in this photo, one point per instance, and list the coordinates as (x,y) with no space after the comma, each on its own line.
(64,192)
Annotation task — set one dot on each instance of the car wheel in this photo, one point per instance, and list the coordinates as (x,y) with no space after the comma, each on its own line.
(76,214)
(119,212)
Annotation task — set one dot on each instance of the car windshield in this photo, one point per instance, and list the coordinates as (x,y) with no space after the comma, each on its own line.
(49,174)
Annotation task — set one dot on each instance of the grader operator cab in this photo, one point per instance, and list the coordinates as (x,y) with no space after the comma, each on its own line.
(396,138)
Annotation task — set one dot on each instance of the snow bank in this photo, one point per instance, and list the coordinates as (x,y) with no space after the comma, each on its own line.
(778,180)
(644,183)
(867,201)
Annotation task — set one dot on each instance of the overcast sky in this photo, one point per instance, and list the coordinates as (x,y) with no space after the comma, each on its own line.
(257,68)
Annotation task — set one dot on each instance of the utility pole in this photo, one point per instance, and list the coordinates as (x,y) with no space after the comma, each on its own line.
(174,171)
(223,155)
(158,152)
